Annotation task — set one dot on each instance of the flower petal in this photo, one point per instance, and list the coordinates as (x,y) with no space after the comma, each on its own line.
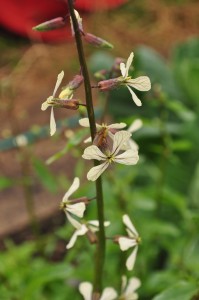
(84,122)
(126,243)
(73,221)
(141,83)
(129,157)
(95,172)
(128,63)
(117,125)
(93,152)
(93,225)
(72,189)
(131,259)
(83,230)
(59,80)
(108,294)
(119,139)
(46,104)
(133,285)
(131,144)
(123,69)
(124,283)
(52,122)
(134,97)
(137,124)
(77,209)
(85,289)
(129,224)
(88,140)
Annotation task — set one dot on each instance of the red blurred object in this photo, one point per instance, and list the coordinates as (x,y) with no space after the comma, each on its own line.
(19,16)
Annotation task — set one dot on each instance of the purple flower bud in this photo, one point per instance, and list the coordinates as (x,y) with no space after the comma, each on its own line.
(51,24)
(96,41)
(116,64)
(76,82)
(107,85)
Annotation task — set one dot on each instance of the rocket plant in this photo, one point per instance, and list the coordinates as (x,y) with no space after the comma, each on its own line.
(109,143)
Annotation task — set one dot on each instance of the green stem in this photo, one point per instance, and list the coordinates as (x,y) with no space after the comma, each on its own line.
(100,249)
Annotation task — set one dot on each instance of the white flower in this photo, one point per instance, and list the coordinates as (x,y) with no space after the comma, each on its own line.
(76,209)
(129,157)
(128,290)
(131,241)
(48,103)
(86,290)
(92,226)
(141,83)
(116,126)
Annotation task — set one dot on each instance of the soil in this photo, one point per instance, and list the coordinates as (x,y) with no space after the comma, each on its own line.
(28,72)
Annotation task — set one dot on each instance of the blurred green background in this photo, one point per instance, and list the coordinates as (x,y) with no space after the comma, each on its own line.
(160,193)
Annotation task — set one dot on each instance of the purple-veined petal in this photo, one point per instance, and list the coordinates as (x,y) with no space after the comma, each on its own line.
(76,209)
(131,259)
(134,97)
(141,83)
(83,230)
(128,63)
(52,122)
(85,289)
(137,124)
(95,172)
(59,80)
(93,152)
(72,189)
(129,224)
(73,221)
(119,139)
(108,294)
(126,243)
(129,157)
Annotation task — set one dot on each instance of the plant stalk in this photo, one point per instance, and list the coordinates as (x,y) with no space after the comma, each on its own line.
(100,249)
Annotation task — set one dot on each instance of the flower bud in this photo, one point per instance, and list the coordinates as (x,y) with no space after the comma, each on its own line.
(51,24)
(92,237)
(107,85)
(68,104)
(116,65)
(67,91)
(96,41)
(76,82)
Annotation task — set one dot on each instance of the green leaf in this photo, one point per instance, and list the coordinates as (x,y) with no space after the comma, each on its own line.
(180,291)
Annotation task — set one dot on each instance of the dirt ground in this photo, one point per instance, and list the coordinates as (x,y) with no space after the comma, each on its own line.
(28,73)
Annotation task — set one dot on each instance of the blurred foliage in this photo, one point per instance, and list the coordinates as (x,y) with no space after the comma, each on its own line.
(160,194)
